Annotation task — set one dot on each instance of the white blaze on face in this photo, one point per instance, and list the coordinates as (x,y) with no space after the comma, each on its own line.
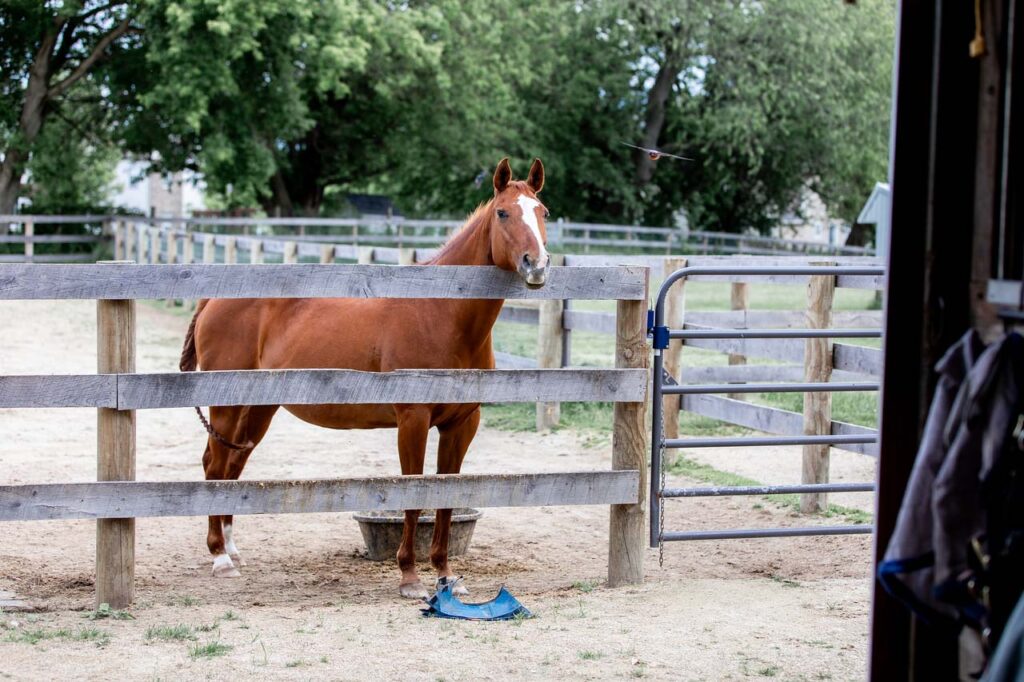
(529,208)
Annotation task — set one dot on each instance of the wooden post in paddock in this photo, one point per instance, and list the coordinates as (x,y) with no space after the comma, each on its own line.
(550,337)
(626,532)
(407,256)
(365,255)
(129,240)
(739,299)
(115,454)
(291,252)
(154,245)
(327,253)
(172,257)
(231,250)
(29,228)
(209,249)
(256,251)
(119,240)
(817,406)
(675,305)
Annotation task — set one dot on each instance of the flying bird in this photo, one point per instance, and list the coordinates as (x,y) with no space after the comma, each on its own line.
(656,154)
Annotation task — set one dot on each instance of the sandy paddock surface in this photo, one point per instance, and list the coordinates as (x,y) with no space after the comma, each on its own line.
(309,606)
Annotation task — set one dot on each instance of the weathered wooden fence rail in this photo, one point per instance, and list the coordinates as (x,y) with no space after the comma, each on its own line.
(117,391)
(27,237)
(556,323)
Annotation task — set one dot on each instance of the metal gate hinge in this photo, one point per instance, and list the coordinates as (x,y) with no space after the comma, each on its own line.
(667,379)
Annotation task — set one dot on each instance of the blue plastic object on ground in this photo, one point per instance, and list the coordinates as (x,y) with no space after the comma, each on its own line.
(445,605)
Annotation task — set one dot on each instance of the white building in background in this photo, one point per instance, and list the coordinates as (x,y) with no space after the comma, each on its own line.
(155,194)
(811,223)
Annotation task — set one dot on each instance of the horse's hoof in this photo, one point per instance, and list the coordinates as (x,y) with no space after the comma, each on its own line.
(238,560)
(413,590)
(458,586)
(223,568)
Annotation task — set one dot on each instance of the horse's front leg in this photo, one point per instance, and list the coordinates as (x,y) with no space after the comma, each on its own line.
(451,450)
(413,426)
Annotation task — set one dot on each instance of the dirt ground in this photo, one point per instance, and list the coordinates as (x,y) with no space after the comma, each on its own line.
(309,606)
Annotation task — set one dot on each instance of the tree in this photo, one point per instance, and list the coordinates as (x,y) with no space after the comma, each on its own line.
(49,51)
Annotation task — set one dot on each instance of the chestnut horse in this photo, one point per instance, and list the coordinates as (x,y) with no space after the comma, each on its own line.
(376,335)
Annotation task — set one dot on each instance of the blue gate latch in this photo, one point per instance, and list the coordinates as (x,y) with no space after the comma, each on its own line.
(650,322)
(660,337)
(445,605)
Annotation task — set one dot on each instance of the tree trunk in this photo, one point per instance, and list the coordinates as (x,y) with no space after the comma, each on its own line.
(29,124)
(655,119)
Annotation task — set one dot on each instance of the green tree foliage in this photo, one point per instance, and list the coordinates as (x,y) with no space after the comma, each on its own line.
(289,105)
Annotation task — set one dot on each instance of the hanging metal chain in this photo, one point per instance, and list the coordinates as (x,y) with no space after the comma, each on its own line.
(661,498)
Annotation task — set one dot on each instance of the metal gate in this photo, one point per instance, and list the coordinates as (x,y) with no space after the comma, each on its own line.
(667,385)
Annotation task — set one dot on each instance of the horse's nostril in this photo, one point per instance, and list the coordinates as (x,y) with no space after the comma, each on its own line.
(526,260)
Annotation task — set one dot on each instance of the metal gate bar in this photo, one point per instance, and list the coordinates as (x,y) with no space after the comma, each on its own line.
(774,334)
(720,491)
(808,387)
(727,442)
(742,533)
(666,385)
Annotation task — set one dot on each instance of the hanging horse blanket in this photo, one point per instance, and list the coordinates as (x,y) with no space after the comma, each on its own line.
(908,568)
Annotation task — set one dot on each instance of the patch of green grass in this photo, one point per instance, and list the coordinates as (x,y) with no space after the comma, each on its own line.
(705,473)
(785,582)
(859,408)
(586,655)
(36,635)
(104,611)
(230,615)
(768,671)
(298,663)
(210,650)
(207,628)
(584,586)
(184,600)
(171,633)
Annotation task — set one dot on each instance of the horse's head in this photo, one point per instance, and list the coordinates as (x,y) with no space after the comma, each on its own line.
(518,235)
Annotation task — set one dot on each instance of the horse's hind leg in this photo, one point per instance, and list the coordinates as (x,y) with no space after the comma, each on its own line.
(451,450)
(242,425)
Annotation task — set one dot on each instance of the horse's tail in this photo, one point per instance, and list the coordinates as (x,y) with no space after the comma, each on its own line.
(188,363)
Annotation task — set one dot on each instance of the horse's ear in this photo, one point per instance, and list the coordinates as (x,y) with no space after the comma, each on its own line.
(536,177)
(502,176)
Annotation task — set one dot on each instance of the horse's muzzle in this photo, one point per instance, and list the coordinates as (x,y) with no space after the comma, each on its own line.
(533,275)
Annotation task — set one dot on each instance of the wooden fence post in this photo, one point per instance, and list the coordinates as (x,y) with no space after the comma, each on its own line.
(172,257)
(327,253)
(129,240)
(550,337)
(291,252)
(406,256)
(30,246)
(209,249)
(115,455)
(231,250)
(739,299)
(140,244)
(154,245)
(365,255)
(626,532)
(188,249)
(119,240)
(817,406)
(675,305)
(256,251)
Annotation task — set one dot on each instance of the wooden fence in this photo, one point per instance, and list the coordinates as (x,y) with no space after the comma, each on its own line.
(116,391)
(556,320)
(90,237)
(401,233)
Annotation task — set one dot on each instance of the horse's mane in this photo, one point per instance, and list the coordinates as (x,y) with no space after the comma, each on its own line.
(475,218)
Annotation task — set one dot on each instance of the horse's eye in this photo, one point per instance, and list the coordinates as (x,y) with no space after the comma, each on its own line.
(546,214)
(502,214)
